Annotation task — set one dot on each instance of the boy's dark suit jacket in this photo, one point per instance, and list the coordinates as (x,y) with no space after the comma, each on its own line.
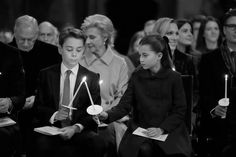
(48,96)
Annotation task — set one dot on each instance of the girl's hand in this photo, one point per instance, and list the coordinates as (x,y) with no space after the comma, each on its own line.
(154,132)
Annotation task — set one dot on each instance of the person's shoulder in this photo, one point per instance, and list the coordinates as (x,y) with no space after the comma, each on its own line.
(213,55)
(88,72)
(173,74)
(139,72)
(8,48)
(117,57)
(46,45)
(9,51)
(55,67)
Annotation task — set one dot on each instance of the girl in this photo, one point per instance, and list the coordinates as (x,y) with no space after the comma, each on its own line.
(156,96)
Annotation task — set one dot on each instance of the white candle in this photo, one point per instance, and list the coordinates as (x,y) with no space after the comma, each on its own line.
(90,97)
(71,102)
(83,80)
(226,78)
(93,106)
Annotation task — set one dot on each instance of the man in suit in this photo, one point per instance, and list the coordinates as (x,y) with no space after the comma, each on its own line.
(36,55)
(78,130)
(12,97)
(213,67)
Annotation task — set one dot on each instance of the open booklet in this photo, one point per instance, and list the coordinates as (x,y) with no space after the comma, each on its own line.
(140,132)
(6,121)
(48,130)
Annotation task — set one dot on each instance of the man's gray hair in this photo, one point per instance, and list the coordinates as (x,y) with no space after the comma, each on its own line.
(26,21)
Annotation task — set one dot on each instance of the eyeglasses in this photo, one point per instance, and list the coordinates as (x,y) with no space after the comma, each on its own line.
(231,26)
(23,40)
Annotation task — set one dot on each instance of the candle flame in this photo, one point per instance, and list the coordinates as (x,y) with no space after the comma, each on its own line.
(100,82)
(84,79)
(226,77)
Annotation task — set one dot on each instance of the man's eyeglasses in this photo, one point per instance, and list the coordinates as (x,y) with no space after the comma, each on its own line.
(23,40)
(231,26)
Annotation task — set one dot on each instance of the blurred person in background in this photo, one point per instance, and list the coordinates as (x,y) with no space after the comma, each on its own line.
(209,39)
(133,48)
(209,36)
(184,61)
(196,23)
(182,58)
(48,33)
(217,132)
(148,27)
(167,27)
(6,36)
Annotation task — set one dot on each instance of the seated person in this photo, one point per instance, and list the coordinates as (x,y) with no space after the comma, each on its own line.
(155,95)
(58,85)
(48,33)
(35,55)
(12,97)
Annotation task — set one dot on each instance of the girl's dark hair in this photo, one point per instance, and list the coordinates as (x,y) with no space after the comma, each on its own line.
(70,32)
(201,43)
(159,44)
(181,22)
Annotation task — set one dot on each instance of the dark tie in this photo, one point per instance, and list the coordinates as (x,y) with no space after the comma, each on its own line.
(66,90)
(66,96)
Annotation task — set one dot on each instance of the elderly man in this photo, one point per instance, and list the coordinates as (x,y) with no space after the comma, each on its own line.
(48,33)
(12,97)
(36,55)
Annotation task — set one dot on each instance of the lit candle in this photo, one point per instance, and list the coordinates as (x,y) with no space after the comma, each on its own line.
(83,80)
(90,97)
(93,106)
(71,102)
(226,78)
(100,82)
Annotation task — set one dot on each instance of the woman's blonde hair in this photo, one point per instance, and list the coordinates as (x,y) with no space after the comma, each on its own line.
(162,25)
(103,23)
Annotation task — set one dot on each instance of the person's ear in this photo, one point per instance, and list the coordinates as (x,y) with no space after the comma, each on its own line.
(105,38)
(159,55)
(60,49)
(224,30)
